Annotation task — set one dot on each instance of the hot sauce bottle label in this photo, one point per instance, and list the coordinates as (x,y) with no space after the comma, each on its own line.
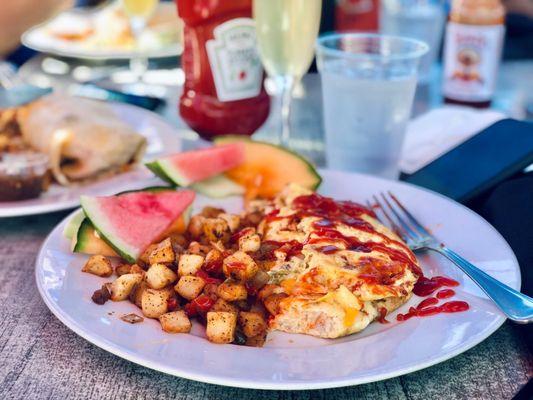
(472,54)
(235,65)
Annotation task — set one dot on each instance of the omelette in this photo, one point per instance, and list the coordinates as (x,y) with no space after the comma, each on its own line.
(333,267)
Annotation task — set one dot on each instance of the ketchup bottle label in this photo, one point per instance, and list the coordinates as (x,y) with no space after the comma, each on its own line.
(234,61)
(471,54)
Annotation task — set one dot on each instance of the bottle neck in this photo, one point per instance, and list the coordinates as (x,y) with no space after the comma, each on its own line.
(477,12)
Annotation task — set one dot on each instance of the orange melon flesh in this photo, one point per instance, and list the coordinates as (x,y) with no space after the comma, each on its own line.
(268,168)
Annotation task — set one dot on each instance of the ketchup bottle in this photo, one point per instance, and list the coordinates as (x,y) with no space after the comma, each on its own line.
(223,92)
(472,51)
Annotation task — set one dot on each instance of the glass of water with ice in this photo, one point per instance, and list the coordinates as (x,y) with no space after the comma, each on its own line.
(368,86)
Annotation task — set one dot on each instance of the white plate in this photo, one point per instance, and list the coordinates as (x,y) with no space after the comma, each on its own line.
(38,38)
(297,361)
(162,138)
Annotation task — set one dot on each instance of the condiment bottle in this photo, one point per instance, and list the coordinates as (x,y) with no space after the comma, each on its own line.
(472,52)
(223,92)
(356,15)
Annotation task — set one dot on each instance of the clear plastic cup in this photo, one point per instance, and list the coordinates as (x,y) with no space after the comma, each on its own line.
(368,86)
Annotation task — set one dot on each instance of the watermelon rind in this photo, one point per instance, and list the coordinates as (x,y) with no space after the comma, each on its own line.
(158,171)
(218,186)
(73,224)
(87,241)
(106,230)
(226,139)
(165,170)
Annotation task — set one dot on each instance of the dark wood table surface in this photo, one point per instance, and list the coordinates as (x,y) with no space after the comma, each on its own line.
(42,359)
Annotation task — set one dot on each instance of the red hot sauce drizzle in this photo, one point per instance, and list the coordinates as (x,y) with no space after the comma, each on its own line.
(349,213)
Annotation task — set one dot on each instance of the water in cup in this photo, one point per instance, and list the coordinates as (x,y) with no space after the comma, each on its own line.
(368,87)
(365,118)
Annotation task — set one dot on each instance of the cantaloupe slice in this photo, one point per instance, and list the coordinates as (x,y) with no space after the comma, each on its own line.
(268,168)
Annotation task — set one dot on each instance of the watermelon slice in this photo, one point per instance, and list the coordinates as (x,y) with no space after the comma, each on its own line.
(189,167)
(129,223)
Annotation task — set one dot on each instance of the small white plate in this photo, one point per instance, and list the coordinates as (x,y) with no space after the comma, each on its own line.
(297,361)
(162,139)
(39,39)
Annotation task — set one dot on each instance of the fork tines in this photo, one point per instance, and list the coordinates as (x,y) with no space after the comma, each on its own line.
(400,219)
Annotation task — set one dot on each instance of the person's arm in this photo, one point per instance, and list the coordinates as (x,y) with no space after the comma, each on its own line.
(16,16)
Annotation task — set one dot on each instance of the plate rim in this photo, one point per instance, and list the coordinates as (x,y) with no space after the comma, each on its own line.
(247,384)
(36,209)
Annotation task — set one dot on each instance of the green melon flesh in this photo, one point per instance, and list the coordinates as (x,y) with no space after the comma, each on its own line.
(218,186)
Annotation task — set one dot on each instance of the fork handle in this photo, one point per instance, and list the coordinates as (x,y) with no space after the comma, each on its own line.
(517,306)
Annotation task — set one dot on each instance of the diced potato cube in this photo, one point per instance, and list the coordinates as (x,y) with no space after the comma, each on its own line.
(197,248)
(98,265)
(256,341)
(136,294)
(123,285)
(252,323)
(158,276)
(249,243)
(162,253)
(189,287)
(272,302)
(145,256)
(239,266)
(189,264)
(221,326)
(122,269)
(175,322)
(232,291)
(154,302)
(211,212)
(196,226)
(233,220)
(223,305)
(210,290)
(135,269)
(216,229)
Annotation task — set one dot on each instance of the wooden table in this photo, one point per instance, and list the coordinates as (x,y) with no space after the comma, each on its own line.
(42,359)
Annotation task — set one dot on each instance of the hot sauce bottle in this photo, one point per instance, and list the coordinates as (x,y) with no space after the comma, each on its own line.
(472,51)
(223,92)
(356,15)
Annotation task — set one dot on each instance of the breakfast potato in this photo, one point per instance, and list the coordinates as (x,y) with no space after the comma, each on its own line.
(256,341)
(196,226)
(136,269)
(252,323)
(232,291)
(223,305)
(190,264)
(175,322)
(197,248)
(123,285)
(158,276)
(154,302)
(250,242)
(98,265)
(122,269)
(145,256)
(189,287)
(272,302)
(239,266)
(216,229)
(162,253)
(221,326)
(211,212)
(136,293)
(233,221)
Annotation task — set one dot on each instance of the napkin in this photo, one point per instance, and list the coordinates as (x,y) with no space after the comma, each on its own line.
(440,130)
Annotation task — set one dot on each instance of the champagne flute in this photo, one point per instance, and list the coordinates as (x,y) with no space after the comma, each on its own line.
(139,12)
(286,34)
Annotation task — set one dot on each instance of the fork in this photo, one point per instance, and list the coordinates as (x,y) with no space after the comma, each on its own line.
(515,305)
